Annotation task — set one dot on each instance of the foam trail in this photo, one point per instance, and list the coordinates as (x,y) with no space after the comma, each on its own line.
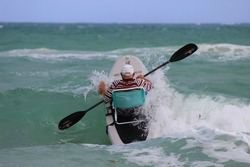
(176,114)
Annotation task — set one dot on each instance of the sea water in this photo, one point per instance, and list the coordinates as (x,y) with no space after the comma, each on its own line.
(199,107)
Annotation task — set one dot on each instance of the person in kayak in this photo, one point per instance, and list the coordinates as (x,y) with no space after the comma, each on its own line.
(127,81)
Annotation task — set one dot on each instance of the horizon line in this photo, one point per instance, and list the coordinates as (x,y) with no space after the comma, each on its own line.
(49,22)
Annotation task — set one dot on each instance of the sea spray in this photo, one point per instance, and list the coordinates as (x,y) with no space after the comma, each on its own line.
(174,113)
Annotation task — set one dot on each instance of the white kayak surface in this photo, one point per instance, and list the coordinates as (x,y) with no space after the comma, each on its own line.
(139,69)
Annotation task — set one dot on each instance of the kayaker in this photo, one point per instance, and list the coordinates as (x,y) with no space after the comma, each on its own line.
(127,81)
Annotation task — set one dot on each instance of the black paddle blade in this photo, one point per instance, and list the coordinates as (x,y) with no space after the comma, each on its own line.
(73,118)
(70,120)
(183,52)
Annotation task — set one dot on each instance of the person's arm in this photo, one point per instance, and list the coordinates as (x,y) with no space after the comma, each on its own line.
(102,88)
(105,92)
(144,82)
(143,78)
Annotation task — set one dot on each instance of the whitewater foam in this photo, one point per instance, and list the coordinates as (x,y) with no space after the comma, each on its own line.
(150,156)
(226,150)
(50,54)
(223,52)
(175,114)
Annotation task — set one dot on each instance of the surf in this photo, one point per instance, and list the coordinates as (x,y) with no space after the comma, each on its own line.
(215,51)
(176,113)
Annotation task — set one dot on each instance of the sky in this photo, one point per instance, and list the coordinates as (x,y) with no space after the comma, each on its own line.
(126,11)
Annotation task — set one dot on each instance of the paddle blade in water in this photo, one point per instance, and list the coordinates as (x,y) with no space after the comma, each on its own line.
(183,52)
(70,120)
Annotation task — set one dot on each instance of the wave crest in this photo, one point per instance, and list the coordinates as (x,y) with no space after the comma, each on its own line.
(224,51)
(221,51)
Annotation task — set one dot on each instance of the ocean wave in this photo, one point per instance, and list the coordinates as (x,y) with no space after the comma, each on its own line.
(50,54)
(176,114)
(147,156)
(224,51)
(221,51)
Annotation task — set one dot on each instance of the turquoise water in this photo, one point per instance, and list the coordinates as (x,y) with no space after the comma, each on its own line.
(200,105)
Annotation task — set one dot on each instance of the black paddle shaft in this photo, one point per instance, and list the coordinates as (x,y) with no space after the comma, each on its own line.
(77,116)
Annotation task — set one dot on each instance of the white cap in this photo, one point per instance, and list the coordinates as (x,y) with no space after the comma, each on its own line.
(127,70)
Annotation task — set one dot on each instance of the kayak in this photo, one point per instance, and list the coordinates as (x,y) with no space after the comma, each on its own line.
(125,120)
(133,127)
